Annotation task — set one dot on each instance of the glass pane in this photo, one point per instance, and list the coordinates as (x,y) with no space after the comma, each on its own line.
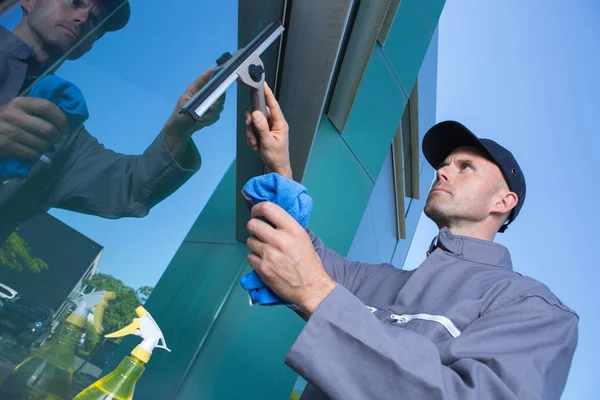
(376,236)
(108,206)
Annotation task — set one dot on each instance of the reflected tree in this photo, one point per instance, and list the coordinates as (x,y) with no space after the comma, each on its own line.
(144,293)
(15,254)
(121,310)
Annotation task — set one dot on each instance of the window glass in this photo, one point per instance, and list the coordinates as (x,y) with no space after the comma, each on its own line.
(108,205)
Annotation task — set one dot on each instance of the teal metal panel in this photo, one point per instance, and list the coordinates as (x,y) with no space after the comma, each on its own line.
(412,217)
(243,358)
(191,313)
(407,42)
(339,186)
(222,347)
(375,114)
(433,10)
(216,223)
(427,118)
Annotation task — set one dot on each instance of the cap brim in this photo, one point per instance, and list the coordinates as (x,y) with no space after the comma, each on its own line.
(445,137)
(119,19)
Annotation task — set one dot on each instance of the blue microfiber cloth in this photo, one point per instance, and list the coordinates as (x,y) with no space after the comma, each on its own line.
(293,198)
(65,96)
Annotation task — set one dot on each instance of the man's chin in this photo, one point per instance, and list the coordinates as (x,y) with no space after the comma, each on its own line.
(434,211)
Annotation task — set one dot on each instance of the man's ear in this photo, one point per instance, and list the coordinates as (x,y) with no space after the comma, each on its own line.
(27,5)
(505,202)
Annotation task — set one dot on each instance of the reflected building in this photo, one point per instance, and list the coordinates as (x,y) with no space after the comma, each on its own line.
(70,259)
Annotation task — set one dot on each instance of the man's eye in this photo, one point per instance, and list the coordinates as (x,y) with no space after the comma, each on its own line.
(465,166)
(74,3)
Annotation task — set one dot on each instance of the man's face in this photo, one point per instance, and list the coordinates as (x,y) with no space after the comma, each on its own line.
(466,187)
(60,24)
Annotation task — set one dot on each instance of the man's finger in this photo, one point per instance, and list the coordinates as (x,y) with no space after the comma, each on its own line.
(261,124)
(33,142)
(254,262)
(274,214)
(47,110)
(250,139)
(255,245)
(24,151)
(273,106)
(39,127)
(261,230)
(200,81)
(250,135)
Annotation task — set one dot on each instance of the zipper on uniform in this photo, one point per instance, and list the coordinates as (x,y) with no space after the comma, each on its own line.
(444,321)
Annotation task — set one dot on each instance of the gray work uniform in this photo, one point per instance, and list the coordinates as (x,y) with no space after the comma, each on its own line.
(83,175)
(463,325)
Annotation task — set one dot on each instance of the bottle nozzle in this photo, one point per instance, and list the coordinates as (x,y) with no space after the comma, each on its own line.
(146,327)
(97,301)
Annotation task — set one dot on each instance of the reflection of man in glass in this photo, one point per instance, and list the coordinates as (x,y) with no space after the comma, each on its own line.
(80,174)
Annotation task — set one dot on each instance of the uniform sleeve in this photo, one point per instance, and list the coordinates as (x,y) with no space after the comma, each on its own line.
(519,351)
(349,274)
(99,181)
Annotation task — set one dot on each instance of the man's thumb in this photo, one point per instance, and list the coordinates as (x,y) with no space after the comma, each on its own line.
(260,122)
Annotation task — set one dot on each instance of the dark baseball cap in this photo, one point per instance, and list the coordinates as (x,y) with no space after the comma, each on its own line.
(445,137)
(119,11)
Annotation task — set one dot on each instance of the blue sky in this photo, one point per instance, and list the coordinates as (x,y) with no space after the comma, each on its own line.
(525,73)
(131,80)
(521,72)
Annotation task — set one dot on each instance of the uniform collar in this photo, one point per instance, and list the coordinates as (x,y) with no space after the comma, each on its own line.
(12,45)
(471,249)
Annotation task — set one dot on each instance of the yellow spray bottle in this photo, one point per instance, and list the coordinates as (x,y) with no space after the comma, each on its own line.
(120,384)
(48,373)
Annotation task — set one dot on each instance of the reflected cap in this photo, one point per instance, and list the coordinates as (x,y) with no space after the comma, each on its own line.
(120,17)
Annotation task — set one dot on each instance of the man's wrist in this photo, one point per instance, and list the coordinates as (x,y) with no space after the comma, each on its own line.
(285,171)
(177,141)
(316,296)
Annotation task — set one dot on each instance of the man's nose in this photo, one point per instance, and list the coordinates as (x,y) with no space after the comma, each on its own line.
(81,16)
(442,174)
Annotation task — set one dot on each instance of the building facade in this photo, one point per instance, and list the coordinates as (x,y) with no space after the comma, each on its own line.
(355,145)
(357,83)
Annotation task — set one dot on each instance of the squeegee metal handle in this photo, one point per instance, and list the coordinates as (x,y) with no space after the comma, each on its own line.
(258,100)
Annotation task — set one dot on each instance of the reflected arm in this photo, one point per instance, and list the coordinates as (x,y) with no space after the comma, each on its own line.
(98,181)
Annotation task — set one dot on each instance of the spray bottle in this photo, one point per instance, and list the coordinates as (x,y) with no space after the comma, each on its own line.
(47,374)
(120,384)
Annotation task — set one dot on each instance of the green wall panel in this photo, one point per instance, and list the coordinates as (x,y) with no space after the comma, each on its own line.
(191,312)
(339,186)
(243,358)
(218,225)
(407,42)
(375,114)
(433,10)
(222,348)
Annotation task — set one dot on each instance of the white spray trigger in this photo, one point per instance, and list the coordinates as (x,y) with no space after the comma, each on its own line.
(96,301)
(146,327)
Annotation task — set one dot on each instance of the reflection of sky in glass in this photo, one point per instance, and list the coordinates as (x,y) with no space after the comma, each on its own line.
(131,80)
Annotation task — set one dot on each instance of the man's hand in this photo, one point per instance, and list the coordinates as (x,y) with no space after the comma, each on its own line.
(285,259)
(29,127)
(274,143)
(179,128)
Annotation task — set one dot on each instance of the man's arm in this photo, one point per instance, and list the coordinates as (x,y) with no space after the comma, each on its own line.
(350,274)
(102,182)
(522,350)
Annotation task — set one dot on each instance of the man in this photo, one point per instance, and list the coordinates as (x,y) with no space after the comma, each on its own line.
(83,176)
(461,326)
